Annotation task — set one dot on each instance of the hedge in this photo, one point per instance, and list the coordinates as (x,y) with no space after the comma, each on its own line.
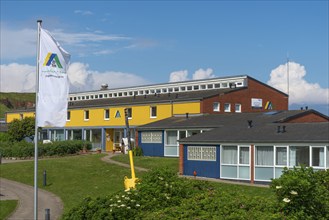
(24,149)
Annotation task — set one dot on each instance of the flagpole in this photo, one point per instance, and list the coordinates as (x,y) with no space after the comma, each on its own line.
(36,128)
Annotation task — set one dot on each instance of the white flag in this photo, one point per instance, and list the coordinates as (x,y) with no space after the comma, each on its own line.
(53,82)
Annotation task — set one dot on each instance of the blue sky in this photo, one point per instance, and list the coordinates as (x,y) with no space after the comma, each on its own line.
(126,43)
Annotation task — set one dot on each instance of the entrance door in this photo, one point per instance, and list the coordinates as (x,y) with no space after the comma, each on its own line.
(118,134)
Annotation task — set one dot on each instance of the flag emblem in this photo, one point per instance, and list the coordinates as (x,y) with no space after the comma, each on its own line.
(268,105)
(52,60)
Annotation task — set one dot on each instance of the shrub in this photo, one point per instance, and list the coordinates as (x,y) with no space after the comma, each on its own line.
(25,150)
(137,151)
(303,193)
(163,195)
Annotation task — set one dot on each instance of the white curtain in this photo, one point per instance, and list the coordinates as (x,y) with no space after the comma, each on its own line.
(264,155)
(171,137)
(292,156)
(244,155)
(229,154)
(281,156)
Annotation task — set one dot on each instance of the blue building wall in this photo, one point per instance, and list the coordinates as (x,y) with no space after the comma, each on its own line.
(203,168)
(151,149)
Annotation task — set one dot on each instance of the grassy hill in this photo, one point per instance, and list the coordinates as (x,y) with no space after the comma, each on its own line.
(12,101)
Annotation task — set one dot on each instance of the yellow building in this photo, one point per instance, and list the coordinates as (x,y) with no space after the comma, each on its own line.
(98,116)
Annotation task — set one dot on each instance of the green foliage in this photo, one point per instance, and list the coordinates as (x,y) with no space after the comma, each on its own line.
(4,137)
(162,194)
(137,151)
(26,150)
(303,193)
(18,129)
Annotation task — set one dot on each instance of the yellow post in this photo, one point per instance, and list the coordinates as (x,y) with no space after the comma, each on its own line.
(130,183)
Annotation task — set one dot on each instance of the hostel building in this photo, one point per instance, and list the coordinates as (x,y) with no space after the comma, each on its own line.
(98,116)
(253,147)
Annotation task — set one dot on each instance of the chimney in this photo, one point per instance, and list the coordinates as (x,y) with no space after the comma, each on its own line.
(249,123)
(279,129)
(301,108)
(306,107)
(104,86)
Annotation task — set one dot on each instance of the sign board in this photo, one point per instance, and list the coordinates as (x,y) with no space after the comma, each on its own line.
(256,103)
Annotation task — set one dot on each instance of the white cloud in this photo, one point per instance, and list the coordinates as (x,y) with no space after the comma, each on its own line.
(182,75)
(21,43)
(21,78)
(17,78)
(83,12)
(203,74)
(178,76)
(300,91)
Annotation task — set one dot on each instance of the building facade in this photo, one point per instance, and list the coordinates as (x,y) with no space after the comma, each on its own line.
(98,116)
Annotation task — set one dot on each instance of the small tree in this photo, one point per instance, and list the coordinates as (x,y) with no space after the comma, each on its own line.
(18,129)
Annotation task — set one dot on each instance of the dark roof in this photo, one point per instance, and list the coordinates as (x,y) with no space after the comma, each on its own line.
(218,120)
(265,133)
(154,98)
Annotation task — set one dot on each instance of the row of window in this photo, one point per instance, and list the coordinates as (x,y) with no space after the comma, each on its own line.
(157,91)
(117,114)
(227,107)
(270,155)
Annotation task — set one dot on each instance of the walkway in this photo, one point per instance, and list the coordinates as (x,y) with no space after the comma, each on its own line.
(108,159)
(11,190)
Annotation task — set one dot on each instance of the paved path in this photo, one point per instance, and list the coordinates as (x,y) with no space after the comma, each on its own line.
(11,190)
(108,159)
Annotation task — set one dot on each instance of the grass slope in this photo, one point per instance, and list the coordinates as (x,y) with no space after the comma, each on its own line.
(14,97)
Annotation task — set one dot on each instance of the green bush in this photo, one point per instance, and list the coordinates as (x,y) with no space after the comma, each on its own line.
(161,194)
(24,149)
(303,193)
(137,151)
(4,137)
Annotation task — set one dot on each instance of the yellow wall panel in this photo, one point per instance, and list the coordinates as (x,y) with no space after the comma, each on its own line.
(188,107)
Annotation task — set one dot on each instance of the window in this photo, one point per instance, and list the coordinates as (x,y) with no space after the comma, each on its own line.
(129,113)
(106,114)
(153,112)
(201,153)
(318,156)
(68,116)
(299,156)
(216,106)
(229,155)
(227,107)
(210,86)
(244,155)
(264,155)
(171,147)
(237,107)
(151,137)
(281,156)
(86,115)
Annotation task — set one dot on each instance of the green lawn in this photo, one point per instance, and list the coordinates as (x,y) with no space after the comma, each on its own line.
(7,207)
(150,162)
(73,178)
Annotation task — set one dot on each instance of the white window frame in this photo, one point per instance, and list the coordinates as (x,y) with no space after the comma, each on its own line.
(154,136)
(203,153)
(85,114)
(67,116)
(237,163)
(216,107)
(227,109)
(324,157)
(107,118)
(151,112)
(239,109)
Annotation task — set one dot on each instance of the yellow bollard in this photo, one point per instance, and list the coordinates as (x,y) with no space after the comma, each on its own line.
(130,183)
